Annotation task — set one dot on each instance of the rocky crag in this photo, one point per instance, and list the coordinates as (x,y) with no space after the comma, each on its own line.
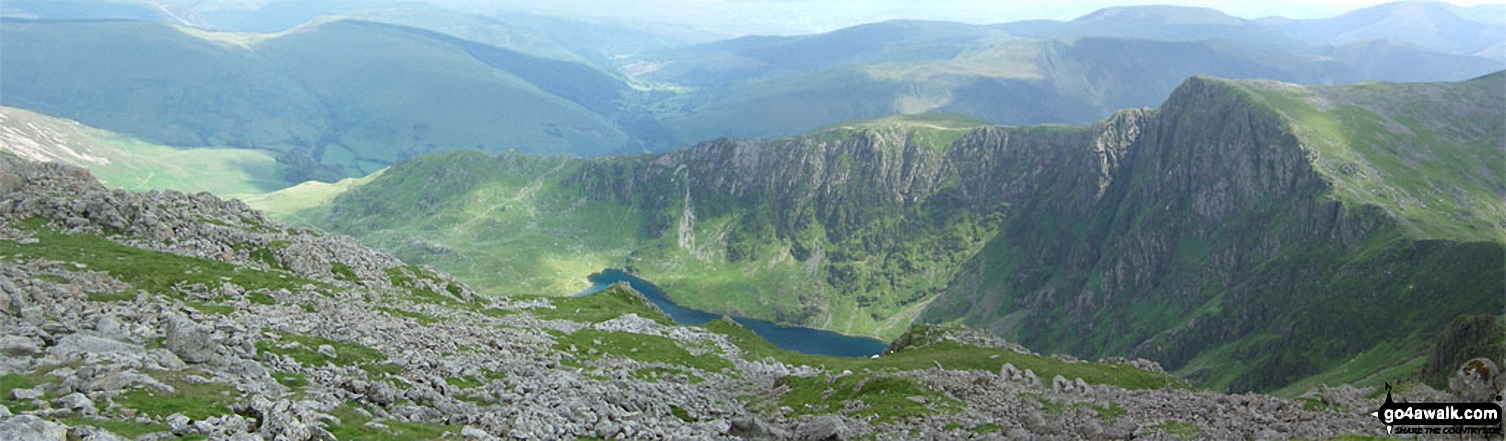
(161,315)
(1248,235)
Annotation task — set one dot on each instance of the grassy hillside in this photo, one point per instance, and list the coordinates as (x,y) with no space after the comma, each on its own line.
(523,224)
(503,223)
(1208,234)
(1252,241)
(113,75)
(354,95)
(133,164)
(430,95)
(1430,154)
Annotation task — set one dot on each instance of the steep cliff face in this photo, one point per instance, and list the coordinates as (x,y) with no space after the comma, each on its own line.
(1212,244)
(1248,234)
(847,229)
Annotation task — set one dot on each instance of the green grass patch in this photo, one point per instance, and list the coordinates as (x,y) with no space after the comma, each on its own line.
(397,276)
(291,379)
(1110,413)
(153,271)
(465,382)
(54,278)
(681,413)
(261,254)
(111,297)
(600,307)
(262,299)
(9,382)
(644,348)
(1180,429)
(886,398)
(343,272)
(210,307)
(192,399)
(305,349)
(353,427)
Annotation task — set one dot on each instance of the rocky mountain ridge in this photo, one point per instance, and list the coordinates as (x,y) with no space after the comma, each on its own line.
(146,315)
(1233,218)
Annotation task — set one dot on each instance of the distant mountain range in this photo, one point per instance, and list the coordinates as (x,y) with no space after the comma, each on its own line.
(353,95)
(356,86)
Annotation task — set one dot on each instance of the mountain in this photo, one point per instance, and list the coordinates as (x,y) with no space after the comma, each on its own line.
(1036,71)
(165,315)
(788,85)
(1206,234)
(82,10)
(129,163)
(571,38)
(758,56)
(353,95)
(1433,25)
(452,79)
(1161,23)
(1245,219)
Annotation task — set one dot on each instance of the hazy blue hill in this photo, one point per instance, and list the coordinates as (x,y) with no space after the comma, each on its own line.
(79,10)
(351,94)
(1165,23)
(582,84)
(606,42)
(281,15)
(1432,25)
(392,93)
(1486,13)
(749,57)
(154,82)
(480,29)
(1023,82)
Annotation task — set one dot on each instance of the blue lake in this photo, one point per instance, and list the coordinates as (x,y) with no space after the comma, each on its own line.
(794,338)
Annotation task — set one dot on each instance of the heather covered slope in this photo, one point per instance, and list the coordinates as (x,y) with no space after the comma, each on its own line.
(1210,233)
